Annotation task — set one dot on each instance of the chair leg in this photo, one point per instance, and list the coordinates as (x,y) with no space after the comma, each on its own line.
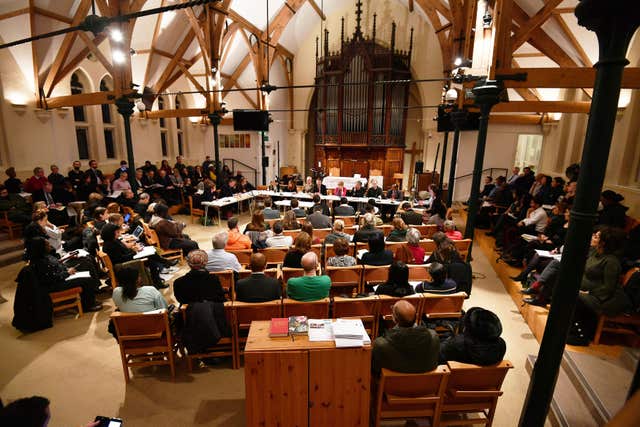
(598,333)
(125,366)
(172,365)
(79,305)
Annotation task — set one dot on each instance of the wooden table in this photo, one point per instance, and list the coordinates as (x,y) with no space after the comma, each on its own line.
(301,383)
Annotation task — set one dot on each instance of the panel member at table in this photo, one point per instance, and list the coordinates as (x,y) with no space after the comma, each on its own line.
(319,187)
(258,287)
(340,190)
(374,191)
(309,287)
(407,347)
(344,209)
(394,193)
(291,186)
(358,190)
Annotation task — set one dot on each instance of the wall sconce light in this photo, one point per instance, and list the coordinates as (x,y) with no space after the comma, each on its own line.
(42,115)
(63,112)
(19,109)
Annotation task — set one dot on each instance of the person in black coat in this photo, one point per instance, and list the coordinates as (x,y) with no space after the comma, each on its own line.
(76,175)
(368,231)
(478,343)
(377,254)
(409,216)
(397,284)
(258,287)
(198,285)
(98,181)
(319,187)
(613,212)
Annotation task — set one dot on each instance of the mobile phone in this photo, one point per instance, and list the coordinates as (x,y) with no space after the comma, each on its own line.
(127,217)
(108,422)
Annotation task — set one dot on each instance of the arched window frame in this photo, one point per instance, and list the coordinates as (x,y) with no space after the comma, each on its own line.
(108,116)
(180,134)
(164,132)
(80,118)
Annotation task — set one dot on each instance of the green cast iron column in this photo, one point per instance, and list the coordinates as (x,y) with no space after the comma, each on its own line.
(125,108)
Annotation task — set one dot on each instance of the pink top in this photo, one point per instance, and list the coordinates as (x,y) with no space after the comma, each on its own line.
(454,234)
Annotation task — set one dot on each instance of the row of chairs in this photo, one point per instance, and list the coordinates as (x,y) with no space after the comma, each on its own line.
(426,231)
(444,395)
(145,338)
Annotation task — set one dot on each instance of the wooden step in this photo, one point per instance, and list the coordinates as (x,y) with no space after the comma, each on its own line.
(10,258)
(7,246)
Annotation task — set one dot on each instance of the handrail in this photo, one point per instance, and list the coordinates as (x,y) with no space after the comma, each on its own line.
(250,169)
(506,171)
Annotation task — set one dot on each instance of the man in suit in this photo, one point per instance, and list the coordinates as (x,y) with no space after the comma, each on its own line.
(75,174)
(98,182)
(394,193)
(406,347)
(269,212)
(318,219)
(123,168)
(319,187)
(369,230)
(343,209)
(258,287)
(409,216)
(358,190)
(138,185)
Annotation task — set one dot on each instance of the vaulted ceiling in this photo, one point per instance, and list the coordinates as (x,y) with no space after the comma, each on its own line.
(538,35)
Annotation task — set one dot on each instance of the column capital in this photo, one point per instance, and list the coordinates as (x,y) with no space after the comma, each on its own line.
(488,94)
(124,106)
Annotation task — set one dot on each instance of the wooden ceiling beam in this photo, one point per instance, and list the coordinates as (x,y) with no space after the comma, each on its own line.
(566,77)
(97,52)
(154,41)
(519,119)
(586,61)
(192,79)
(161,84)
(533,23)
(94,98)
(563,10)
(446,49)
(529,55)
(503,21)
(469,25)
(14,13)
(76,60)
(322,16)
(34,55)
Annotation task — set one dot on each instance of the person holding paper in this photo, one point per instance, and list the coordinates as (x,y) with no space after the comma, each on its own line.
(406,347)
(54,276)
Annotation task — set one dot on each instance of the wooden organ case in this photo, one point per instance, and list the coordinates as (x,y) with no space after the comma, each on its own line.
(360,125)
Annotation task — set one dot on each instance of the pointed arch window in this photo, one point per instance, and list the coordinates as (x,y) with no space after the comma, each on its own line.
(80,119)
(180,133)
(164,146)
(108,122)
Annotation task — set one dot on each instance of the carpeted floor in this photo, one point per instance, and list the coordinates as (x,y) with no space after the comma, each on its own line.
(76,364)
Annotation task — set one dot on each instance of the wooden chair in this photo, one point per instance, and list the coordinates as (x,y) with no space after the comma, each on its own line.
(274,256)
(393,246)
(245,313)
(366,309)
(419,272)
(401,396)
(463,247)
(426,231)
(386,304)
(349,221)
(292,233)
(194,212)
(617,324)
(271,272)
(69,298)
(271,222)
(385,228)
(243,255)
(473,389)
(287,273)
(145,340)
(225,347)
(321,233)
(428,245)
(262,187)
(374,275)
(350,230)
(13,229)
(108,266)
(443,306)
(312,309)
(318,251)
(345,280)
(227,281)
(152,239)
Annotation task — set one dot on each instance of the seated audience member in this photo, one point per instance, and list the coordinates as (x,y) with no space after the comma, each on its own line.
(358,190)
(397,284)
(41,227)
(52,275)
(555,191)
(488,187)
(236,240)
(450,230)
(341,259)
(129,297)
(437,212)
(258,287)
(319,220)
(279,239)
(123,168)
(36,182)
(100,216)
(344,209)
(121,183)
(445,252)
(309,287)
(299,212)
(318,204)
(409,216)
(308,228)
(337,233)
(368,230)
(399,232)
(374,191)
(439,283)
(268,211)
(138,183)
(170,232)
(613,212)
(478,342)
(198,285)
(257,222)
(406,347)
(412,252)
(31,411)
(302,245)
(218,258)
(56,178)
(536,219)
(290,222)
(17,208)
(13,184)
(377,254)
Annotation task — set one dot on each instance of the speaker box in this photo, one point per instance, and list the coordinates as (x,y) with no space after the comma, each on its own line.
(265,161)
(419,166)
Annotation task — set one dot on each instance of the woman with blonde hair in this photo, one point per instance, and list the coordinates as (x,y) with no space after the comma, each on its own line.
(290,222)
(399,232)
(301,246)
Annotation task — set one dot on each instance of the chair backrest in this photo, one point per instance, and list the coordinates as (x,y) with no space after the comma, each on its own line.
(318,250)
(312,309)
(271,222)
(627,276)
(246,312)
(330,252)
(473,384)
(271,272)
(108,265)
(443,306)
(321,233)
(288,273)
(364,308)
(348,220)
(227,282)
(374,275)
(419,272)
(387,302)
(417,394)
(133,329)
(463,247)
(385,228)
(262,187)
(292,233)
(428,245)
(274,255)
(243,255)
(350,230)
(393,246)
(426,231)
(345,279)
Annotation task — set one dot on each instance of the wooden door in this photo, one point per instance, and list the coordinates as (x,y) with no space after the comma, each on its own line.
(277,388)
(339,387)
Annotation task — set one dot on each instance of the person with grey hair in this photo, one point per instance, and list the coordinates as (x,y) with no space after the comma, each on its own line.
(198,285)
(450,230)
(337,233)
(309,287)
(218,258)
(368,230)
(412,252)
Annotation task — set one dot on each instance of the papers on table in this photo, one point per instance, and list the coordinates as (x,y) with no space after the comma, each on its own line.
(79,275)
(547,254)
(320,330)
(115,194)
(529,237)
(145,252)
(344,332)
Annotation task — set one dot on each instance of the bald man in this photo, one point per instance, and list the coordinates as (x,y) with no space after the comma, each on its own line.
(407,347)
(258,287)
(309,287)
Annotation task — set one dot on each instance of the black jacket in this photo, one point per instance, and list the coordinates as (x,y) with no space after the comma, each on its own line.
(258,288)
(118,252)
(411,217)
(344,210)
(406,350)
(32,308)
(365,234)
(198,286)
(206,324)
(379,258)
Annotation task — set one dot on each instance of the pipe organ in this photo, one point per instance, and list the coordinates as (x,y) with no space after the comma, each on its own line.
(360,121)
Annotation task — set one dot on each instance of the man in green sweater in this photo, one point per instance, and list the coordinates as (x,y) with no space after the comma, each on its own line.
(309,287)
